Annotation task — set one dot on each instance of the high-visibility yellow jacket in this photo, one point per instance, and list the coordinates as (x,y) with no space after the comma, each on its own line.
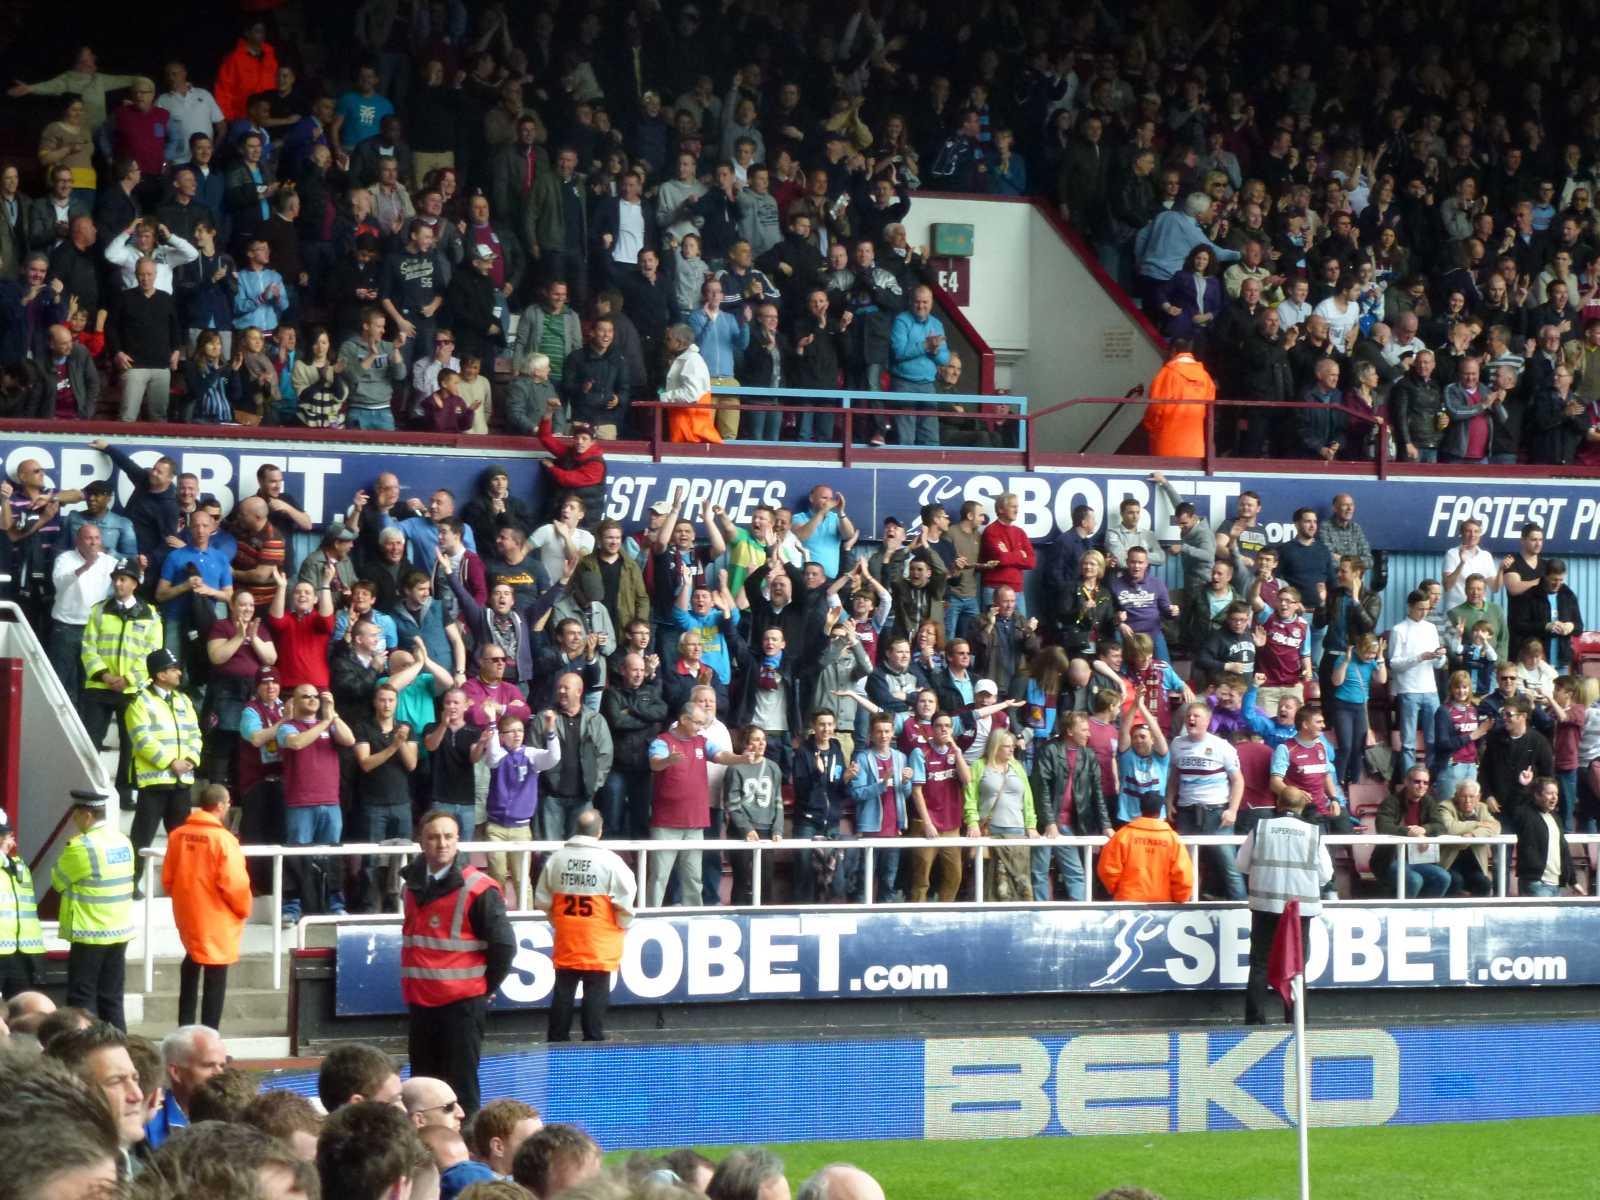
(95,875)
(118,645)
(161,730)
(19,919)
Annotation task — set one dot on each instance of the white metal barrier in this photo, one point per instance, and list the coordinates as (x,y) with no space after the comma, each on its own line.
(523,852)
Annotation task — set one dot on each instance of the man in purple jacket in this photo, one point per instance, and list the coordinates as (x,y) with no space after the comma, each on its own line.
(1142,601)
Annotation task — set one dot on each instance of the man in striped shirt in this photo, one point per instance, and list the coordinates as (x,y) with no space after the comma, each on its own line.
(1205,788)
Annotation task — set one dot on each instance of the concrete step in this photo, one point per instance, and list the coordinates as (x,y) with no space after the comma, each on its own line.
(253,973)
(262,1009)
(245,1038)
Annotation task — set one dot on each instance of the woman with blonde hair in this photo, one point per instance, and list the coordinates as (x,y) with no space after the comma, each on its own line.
(1000,804)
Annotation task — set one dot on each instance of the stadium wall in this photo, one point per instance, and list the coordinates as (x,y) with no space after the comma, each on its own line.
(1132,1082)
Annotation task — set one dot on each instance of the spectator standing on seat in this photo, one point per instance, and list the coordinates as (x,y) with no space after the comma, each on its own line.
(1466,559)
(589,894)
(1544,859)
(1007,553)
(1142,602)
(680,807)
(825,529)
(917,350)
(1205,788)
(938,802)
(95,878)
(1414,651)
(1284,859)
(204,873)
(82,579)
(144,340)
(722,338)
(308,742)
(372,367)
(513,801)
(456,949)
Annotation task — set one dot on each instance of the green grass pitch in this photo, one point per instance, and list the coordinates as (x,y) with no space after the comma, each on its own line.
(1508,1160)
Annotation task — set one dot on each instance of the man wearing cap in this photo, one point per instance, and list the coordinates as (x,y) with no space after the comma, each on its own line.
(21,941)
(116,531)
(94,877)
(338,541)
(121,632)
(164,734)
(475,305)
(82,578)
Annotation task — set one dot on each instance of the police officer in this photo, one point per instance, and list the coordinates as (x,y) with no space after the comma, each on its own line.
(456,947)
(21,941)
(164,733)
(94,877)
(589,893)
(117,641)
(1284,859)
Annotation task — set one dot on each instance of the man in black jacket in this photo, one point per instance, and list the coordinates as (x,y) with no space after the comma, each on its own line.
(1265,375)
(1544,859)
(447,983)
(475,305)
(1513,755)
(817,338)
(144,340)
(795,265)
(1416,402)
(594,383)
(635,712)
(1552,619)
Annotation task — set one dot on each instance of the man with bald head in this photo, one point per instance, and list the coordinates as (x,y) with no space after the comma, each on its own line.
(432,1102)
(73,378)
(82,578)
(840,1181)
(259,553)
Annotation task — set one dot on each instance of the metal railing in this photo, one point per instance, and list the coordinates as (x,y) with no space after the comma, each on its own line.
(846,409)
(523,853)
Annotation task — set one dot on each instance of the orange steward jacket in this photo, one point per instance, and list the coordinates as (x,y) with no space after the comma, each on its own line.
(204,873)
(589,893)
(1144,860)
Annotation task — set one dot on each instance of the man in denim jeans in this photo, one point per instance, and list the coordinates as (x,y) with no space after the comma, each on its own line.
(1205,788)
(1413,649)
(962,552)
(309,742)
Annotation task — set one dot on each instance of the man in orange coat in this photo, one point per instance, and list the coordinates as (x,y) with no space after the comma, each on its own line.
(1179,430)
(1145,861)
(589,894)
(205,875)
(251,67)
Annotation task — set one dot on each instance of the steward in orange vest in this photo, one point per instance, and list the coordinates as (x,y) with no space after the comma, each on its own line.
(456,948)
(588,893)
(1145,861)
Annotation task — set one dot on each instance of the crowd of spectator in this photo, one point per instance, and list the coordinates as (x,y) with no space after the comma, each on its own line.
(88,1112)
(794,680)
(478,224)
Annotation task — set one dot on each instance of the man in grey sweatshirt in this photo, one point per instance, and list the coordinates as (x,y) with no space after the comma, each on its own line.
(372,367)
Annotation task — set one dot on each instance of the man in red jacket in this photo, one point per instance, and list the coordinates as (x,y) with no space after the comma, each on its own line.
(1007,554)
(576,465)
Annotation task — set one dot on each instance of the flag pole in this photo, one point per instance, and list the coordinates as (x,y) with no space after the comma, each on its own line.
(1302,1077)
